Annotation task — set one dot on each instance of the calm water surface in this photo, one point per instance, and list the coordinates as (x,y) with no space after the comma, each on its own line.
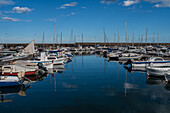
(90,84)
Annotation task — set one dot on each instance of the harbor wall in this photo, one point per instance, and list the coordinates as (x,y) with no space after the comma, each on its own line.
(84,44)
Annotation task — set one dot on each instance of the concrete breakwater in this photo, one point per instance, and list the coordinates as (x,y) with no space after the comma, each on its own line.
(84,44)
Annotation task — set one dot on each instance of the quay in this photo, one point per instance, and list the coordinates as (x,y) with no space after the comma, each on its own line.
(8,45)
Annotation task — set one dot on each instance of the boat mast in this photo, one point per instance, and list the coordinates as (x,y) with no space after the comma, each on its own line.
(115,38)
(53,35)
(118,36)
(139,38)
(104,36)
(126,31)
(154,37)
(158,38)
(74,38)
(61,38)
(142,38)
(43,39)
(71,37)
(146,35)
(82,39)
(56,38)
(133,37)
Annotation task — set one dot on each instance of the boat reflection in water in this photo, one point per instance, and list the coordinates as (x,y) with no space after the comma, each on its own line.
(155,81)
(35,78)
(167,86)
(132,69)
(20,90)
(56,69)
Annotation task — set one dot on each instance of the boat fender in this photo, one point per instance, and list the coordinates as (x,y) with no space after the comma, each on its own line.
(11,72)
(11,62)
(21,74)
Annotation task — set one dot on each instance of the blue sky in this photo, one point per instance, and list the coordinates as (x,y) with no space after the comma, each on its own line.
(24,20)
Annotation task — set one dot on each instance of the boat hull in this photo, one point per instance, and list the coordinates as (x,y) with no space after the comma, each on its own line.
(58,62)
(9,81)
(16,73)
(127,58)
(154,64)
(157,71)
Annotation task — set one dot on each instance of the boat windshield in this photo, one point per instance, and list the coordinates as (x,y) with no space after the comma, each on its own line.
(158,59)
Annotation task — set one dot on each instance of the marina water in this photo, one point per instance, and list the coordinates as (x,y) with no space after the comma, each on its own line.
(90,84)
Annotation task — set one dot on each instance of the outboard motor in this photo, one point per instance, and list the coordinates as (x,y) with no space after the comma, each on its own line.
(128,62)
(41,66)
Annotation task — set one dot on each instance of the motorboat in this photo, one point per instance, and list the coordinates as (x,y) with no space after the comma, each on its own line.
(43,59)
(16,69)
(127,56)
(113,56)
(154,61)
(56,61)
(157,71)
(8,81)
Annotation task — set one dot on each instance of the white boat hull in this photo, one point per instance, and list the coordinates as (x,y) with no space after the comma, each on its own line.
(153,64)
(8,81)
(152,71)
(58,62)
(127,58)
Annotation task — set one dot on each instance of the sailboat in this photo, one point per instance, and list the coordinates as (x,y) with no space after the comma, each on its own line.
(12,55)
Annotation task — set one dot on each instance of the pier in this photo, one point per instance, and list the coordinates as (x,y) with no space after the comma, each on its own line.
(8,45)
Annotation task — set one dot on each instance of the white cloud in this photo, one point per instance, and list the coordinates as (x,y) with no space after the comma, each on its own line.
(52,20)
(160,3)
(83,7)
(130,2)
(21,9)
(6,2)
(71,14)
(108,1)
(10,19)
(13,19)
(72,4)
